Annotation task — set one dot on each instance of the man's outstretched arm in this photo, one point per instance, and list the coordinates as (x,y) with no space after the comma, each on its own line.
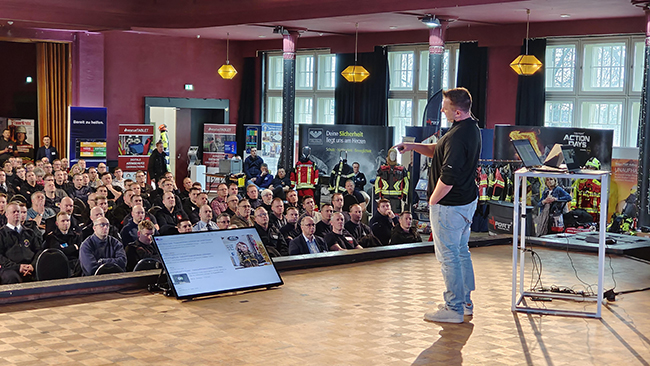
(424,149)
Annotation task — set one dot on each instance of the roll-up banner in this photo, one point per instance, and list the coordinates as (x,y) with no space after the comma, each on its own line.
(367,145)
(623,182)
(87,135)
(22,131)
(219,142)
(271,144)
(135,142)
(593,142)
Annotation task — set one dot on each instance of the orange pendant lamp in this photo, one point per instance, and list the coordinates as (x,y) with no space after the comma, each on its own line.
(526,64)
(227,71)
(355,73)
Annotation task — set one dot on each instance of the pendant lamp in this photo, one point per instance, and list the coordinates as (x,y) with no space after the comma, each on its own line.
(526,64)
(354,73)
(227,71)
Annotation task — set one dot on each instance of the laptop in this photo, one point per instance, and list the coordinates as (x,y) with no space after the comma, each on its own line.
(531,160)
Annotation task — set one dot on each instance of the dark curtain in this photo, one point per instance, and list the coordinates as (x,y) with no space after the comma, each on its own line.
(472,74)
(364,103)
(246,112)
(531,89)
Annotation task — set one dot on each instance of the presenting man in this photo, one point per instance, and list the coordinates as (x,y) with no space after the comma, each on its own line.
(453,195)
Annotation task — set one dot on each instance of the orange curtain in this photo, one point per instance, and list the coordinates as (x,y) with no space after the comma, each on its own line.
(54,92)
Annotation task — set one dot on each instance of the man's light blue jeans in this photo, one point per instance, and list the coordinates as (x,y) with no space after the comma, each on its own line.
(451,227)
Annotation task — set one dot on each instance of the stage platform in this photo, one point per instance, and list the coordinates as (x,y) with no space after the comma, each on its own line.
(139,280)
(619,244)
(356,314)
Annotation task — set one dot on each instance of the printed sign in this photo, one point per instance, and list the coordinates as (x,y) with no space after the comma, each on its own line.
(135,143)
(87,129)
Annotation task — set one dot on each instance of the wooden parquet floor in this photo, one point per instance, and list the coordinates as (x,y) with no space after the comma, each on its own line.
(361,314)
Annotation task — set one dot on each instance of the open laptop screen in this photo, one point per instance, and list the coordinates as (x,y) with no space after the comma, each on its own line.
(526,153)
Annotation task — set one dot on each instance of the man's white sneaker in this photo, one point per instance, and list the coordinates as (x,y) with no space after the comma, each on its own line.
(469,309)
(444,315)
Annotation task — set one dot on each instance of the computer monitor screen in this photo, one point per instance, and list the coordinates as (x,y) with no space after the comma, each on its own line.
(211,262)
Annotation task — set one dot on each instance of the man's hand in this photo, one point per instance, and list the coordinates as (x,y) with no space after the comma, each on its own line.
(390,214)
(335,248)
(253,179)
(403,147)
(26,269)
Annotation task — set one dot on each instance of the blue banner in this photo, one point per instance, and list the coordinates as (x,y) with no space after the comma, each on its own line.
(87,135)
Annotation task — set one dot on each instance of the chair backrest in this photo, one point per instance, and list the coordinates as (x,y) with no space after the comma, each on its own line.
(107,268)
(51,264)
(146,264)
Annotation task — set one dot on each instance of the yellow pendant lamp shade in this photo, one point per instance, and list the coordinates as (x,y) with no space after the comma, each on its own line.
(355,74)
(227,71)
(526,65)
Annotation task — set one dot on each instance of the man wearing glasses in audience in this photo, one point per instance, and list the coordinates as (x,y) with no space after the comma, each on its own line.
(273,241)
(243,216)
(307,243)
(101,248)
(223,221)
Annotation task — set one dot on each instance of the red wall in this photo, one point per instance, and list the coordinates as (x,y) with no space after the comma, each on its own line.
(501,86)
(142,65)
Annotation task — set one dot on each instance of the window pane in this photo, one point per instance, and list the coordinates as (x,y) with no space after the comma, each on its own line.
(276,64)
(423,83)
(304,108)
(558,114)
(326,72)
(399,116)
(422,103)
(604,116)
(604,67)
(274,109)
(560,67)
(639,62)
(401,70)
(325,111)
(633,129)
(304,72)
(445,70)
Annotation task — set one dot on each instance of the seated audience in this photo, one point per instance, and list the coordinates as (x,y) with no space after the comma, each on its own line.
(189,204)
(184,226)
(223,221)
(351,196)
(404,232)
(65,240)
(324,226)
(339,238)
(79,190)
(337,205)
(291,230)
(243,216)
(3,207)
(4,185)
(66,206)
(95,213)
(53,195)
(292,199)
(38,212)
(187,185)
(19,248)
(359,230)
(219,204)
(265,178)
(309,208)
(307,243)
(129,231)
(119,180)
(233,202)
(276,216)
(281,184)
(233,190)
(252,195)
(30,186)
(383,221)
(169,215)
(142,247)
(114,192)
(205,223)
(267,199)
(271,236)
(101,248)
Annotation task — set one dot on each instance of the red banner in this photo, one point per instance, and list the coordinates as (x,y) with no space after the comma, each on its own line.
(133,162)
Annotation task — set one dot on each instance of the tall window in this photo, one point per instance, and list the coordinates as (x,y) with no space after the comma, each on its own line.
(409,82)
(315,78)
(595,83)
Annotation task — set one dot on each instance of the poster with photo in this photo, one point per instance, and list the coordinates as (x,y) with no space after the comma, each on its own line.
(135,142)
(22,131)
(219,142)
(271,144)
(623,182)
(245,251)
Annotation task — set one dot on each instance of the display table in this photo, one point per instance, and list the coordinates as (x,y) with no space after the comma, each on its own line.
(519,245)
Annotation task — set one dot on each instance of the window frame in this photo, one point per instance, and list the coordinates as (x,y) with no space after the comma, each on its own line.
(579,96)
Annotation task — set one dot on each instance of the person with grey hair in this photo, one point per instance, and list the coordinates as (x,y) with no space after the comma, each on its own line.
(101,248)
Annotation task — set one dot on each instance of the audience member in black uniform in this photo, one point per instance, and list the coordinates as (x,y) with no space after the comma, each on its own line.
(129,232)
(404,232)
(19,248)
(119,212)
(169,214)
(66,206)
(53,195)
(281,184)
(142,247)
(30,186)
(339,238)
(114,192)
(3,207)
(7,146)
(307,242)
(276,216)
(157,166)
(67,241)
(243,216)
(101,248)
(359,230)
(141,180)
(309,208)
(8,168)
(324,226)
(351,196)
(252,195)
(5,187)
(271,236)
(89,229)
(190,206)
(383,221)
(79,190)
(267,200)
(184,226)
(337,205)
(291,230)
(19,180)
(233,202)
(292,199)
(185,191)
(253,165)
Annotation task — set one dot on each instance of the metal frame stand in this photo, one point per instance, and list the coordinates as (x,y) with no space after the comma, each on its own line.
(519,246)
